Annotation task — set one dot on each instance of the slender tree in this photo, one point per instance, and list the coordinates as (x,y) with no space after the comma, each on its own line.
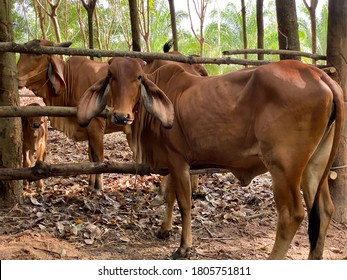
(42,20)
(81,25)
(135,25)
(288,30)
(312,11)
(200,7)
(260,27)
(10,128)
(53,14)
(90,8)
(336,56)
(173,24)
(144,14)
(244,26)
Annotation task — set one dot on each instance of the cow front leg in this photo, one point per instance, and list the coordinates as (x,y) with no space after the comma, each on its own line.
(26,163)
(41,154)
(181,183)
(95,180)
(96,152)
(168,192)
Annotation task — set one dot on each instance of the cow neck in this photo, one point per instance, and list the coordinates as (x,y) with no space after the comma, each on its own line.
(136,107)
(36,77)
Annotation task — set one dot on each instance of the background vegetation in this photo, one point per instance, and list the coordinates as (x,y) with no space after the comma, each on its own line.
(67,20)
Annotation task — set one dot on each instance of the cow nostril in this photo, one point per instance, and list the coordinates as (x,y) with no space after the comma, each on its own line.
(121,119)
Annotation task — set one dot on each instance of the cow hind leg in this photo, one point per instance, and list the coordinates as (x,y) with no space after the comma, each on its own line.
(325,211)
(319,212)
(290,211)
(181,182)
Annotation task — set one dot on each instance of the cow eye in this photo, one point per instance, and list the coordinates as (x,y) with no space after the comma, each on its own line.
(109,75)
(139,77)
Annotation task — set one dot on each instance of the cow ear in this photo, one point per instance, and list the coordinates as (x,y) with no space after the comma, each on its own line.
(56,75)
(157,103)
(93,101)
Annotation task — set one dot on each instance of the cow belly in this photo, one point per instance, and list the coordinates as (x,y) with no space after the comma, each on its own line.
(245,165)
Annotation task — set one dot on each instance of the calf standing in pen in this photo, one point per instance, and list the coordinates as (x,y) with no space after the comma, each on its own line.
(35,131)
(284,117)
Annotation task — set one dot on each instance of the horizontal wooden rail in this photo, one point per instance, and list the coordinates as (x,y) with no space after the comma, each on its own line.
(191,59)
(276,52)
(37,49)
(31,111)
(43,170)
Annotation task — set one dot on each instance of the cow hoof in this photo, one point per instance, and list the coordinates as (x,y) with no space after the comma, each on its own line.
(164,234)
(180,254)
(96,192)
(40,187)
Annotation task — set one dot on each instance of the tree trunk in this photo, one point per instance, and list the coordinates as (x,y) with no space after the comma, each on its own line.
(260,27)
(144,21)
(288,35)
(336,56)
(42,21)
(200,7)
(81,24)
(244,26)
(312,10)
(10,128)
(135,25)
(173,24)
(98,37)
(53,15)
(90,7)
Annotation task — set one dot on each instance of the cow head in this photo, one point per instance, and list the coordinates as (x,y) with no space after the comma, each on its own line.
(34,124)
(128,86)
(37,70)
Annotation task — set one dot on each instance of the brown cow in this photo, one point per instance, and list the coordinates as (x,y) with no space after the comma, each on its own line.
(35,131)
(152,65)
(284,117)
(62,83)
(195,69)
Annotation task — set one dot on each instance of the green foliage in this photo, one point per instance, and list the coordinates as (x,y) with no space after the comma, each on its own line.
(223,28)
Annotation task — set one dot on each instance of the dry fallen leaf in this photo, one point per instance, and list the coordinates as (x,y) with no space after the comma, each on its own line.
(60,227)
(124,239)
(34,201)
(89,241)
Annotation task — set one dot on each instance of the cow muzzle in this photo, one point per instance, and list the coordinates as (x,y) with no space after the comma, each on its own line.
(122,119)
(21,83)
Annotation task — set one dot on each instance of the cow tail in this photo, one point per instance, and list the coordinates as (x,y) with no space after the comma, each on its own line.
(337,116)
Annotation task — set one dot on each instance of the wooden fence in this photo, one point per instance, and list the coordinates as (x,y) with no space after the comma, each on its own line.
(43,170)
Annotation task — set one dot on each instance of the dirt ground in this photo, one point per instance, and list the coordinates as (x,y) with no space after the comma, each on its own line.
(66,222)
